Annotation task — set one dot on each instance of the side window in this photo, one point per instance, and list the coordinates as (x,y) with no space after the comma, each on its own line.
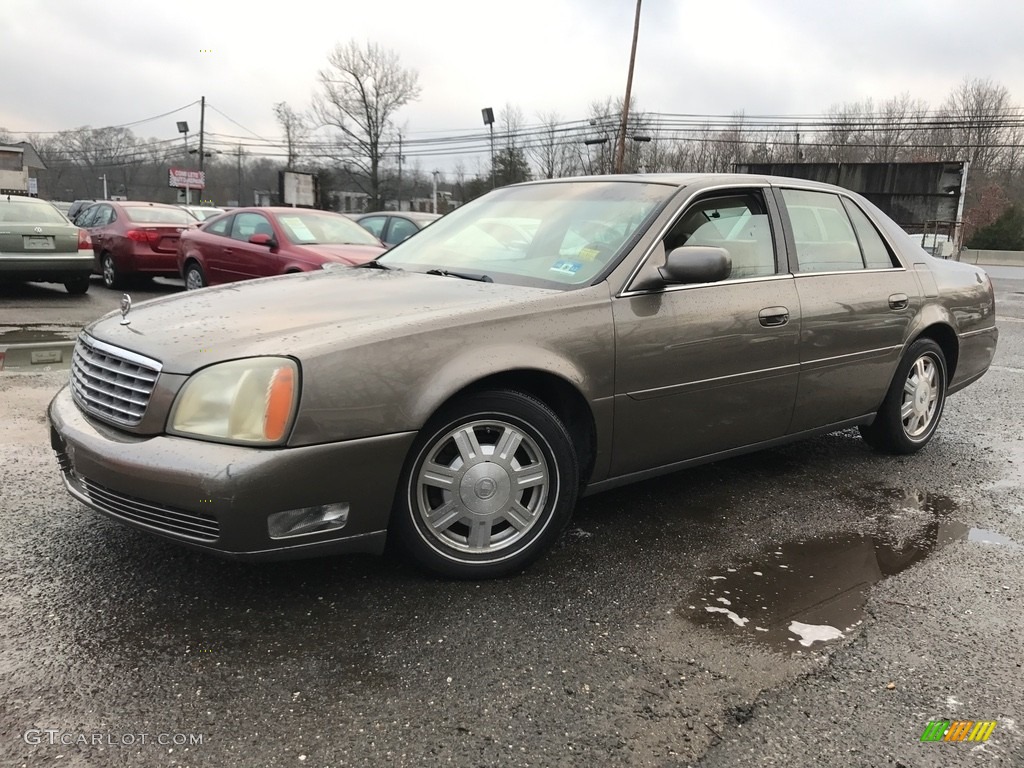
(84,219)
(736,222)
(102,216)
(824,236)
(876,253)
(219,227)
(245,225)
(373,223)
(400,229)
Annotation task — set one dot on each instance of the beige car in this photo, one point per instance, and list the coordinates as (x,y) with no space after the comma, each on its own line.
(547,340)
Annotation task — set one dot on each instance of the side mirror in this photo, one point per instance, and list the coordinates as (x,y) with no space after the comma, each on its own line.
(696,264)
(263,239)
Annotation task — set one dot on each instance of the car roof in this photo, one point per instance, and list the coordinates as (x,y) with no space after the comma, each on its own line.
(406,214)
(688,179)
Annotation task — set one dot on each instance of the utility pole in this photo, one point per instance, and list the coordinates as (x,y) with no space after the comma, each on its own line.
(240,203)
(202,120)
(435,174)
(399,170)
(620,147)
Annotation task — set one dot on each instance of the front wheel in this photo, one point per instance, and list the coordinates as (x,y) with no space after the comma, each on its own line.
(913,406)
(490,484)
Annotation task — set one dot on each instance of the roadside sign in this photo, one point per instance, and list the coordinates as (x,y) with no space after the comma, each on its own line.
(183,177)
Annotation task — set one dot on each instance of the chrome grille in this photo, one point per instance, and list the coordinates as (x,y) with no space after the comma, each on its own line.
(111,383)
(176,522)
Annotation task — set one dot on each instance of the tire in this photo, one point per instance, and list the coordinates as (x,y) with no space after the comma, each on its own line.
(78,286)
(486,528)
(195,278)
(913,405)
(111,277)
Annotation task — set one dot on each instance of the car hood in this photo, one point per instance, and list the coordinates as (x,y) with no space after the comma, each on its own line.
(307,312)
(346,253)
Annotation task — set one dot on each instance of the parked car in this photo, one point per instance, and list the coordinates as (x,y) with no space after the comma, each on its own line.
(134,239)
(461,400)
(39,244)
(259,242)
(203,212)
(392,227)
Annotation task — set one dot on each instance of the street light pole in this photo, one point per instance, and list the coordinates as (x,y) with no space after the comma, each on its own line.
(620,148)
(183,130)
(488,115)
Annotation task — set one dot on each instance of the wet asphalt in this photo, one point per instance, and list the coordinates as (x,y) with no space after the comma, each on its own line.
(854,598)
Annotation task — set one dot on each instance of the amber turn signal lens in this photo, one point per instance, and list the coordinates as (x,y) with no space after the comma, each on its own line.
(280,396)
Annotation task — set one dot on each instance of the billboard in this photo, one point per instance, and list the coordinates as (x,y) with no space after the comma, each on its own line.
(298,189)
(914,195)
(183,177)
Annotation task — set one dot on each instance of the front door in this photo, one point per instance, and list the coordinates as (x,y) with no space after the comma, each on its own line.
(710,367)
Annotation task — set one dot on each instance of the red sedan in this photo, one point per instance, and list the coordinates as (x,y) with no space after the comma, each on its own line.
(246,243)
(134,238)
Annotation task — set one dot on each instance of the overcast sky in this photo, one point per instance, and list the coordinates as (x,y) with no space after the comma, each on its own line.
(66,63)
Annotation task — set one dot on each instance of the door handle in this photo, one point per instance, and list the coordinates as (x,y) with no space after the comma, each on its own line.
(899,301)
(773,316)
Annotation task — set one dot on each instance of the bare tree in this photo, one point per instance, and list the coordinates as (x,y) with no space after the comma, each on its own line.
(362,89)
(844,133)
(296,132)
(896,124)
(972,121)
(552,150)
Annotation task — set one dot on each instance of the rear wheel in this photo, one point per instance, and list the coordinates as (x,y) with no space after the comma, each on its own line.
(77,286)
(111,277)
(194,277)
(490,484)
(913,406)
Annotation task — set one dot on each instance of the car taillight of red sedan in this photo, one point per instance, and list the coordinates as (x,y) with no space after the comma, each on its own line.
(144,236)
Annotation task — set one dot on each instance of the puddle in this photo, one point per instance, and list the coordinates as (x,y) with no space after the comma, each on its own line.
(36,334)
(809,593)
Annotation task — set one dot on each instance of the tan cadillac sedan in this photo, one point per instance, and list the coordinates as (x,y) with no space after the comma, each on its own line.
(548,340)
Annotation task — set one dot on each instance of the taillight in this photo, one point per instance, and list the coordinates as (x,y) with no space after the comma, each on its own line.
(84,241)
(143,236)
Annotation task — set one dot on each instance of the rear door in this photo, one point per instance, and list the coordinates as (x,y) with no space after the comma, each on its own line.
(212,241)
(708,367)
(857,303)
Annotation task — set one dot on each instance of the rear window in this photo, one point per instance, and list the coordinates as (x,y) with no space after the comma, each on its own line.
(28,212)
(148,215)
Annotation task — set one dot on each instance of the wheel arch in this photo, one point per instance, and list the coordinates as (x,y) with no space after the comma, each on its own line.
(558,393)
(943,335)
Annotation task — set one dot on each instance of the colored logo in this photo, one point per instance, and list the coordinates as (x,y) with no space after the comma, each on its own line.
(958,730)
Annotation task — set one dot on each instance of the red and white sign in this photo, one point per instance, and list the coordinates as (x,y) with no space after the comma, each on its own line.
(182,177)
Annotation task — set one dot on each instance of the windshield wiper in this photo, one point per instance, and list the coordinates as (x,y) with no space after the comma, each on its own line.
(463,275)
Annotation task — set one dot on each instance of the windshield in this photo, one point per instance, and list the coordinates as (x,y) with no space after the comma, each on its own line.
(558,235)
(14,211)
(323,228)
(145,214)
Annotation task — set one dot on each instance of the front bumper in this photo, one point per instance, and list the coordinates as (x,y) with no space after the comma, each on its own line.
(216,497)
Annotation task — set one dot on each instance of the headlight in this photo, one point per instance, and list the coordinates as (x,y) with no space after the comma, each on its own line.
(249,401)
